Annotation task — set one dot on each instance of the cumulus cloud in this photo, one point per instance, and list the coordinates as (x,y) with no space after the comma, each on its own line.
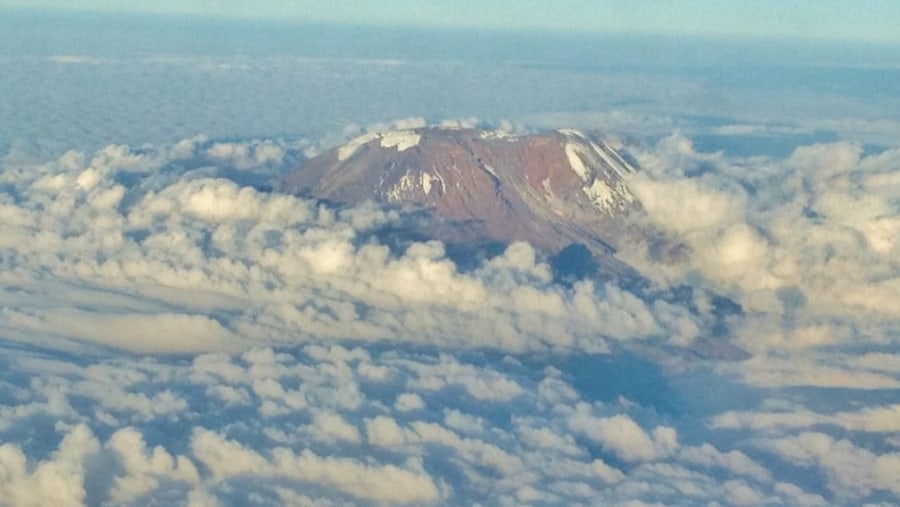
(332,368)
(198,263)
(804,243)
(390,484)
(345,442)
(58,480)
(624,437)
(309,425)
(875,419)
(852,471)
(246,156)
(810,371)
(821,188)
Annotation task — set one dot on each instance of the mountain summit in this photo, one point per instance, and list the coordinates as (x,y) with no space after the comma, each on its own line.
(551,189)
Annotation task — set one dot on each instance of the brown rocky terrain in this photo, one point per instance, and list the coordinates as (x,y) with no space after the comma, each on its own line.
(551,189)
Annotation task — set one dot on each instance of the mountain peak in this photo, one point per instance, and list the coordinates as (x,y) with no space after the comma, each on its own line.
(551,189)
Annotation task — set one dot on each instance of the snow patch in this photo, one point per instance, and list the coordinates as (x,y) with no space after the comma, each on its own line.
(608,198)
(589,150)
(406,184)
(601,195)
(591,159)
(612,159)
(575,162)
(498,134)
(440,179)
(572,133)
(346,151)
(429,180)
(401,139)
(491,171)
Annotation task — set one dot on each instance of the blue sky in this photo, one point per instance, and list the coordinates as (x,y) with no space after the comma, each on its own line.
(871,20)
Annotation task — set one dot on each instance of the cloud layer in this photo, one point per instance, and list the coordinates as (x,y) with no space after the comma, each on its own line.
(329,424)
(188,262)
(174,333)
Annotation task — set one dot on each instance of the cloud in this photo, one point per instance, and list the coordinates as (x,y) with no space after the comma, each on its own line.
(296,358)
(806,240)
(193,263)
(734,461)
(852,472)
(244,156)
(875,419)
(684,206)
(156,333)
(389,483)
(58,480)
(409,401)
(624,437)
(767,371)
(143,468)
(307,424)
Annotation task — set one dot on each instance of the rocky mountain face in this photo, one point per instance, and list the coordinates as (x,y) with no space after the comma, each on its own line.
(551,189)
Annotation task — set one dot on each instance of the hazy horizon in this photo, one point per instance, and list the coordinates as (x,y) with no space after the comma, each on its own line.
(869,21)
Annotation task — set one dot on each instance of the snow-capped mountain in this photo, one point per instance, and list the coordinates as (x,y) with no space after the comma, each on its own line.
(551,189)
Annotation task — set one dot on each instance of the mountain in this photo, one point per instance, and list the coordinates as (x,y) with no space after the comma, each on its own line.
(564,192)
(552,189)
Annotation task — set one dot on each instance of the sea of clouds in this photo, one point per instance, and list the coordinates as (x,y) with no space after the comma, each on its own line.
(172,335)
(173,332)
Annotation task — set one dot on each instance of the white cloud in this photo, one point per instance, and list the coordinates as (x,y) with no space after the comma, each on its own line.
(408,401)
(157,333)
(808,370)
(331,426)
(143,468)
(738,492)
(389,483)
(873,419)
(805,244)
(797,496)
(480,384)
(308,426)
(465,423)
(624,437)
(686,206)
(852,472)
(385,432)
(244,156)
(243,265)
(55,481)
(733,461)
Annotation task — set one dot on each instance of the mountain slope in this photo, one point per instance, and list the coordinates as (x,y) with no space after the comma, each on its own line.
(551,189)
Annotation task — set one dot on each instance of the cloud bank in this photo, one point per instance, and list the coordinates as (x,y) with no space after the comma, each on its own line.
(187,262)
(330,424)
(172,332)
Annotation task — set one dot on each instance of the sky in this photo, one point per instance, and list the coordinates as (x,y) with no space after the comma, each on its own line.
(173,331)
(865,20)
